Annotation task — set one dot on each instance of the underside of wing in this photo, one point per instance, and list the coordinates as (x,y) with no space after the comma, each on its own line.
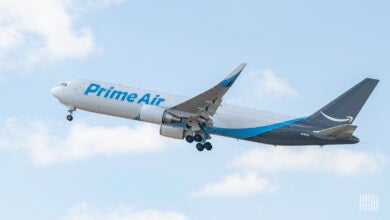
(199,109)
(211,99)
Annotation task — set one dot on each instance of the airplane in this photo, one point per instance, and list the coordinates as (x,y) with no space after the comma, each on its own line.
(196,119)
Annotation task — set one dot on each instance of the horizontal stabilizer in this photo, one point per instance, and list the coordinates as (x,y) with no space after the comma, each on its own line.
(341,131)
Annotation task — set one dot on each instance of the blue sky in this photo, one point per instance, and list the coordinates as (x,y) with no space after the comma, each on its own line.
(300,55)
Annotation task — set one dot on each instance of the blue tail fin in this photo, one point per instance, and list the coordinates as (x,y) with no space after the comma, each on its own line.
(345,108)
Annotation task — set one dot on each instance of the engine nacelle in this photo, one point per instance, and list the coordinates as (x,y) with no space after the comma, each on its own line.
(157,115)
(172,132)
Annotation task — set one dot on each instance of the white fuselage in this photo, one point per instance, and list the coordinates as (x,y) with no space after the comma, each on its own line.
(126,102)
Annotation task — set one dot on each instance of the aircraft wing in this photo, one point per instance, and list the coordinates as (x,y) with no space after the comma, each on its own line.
(200,108)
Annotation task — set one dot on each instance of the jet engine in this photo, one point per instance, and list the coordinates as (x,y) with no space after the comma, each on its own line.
(157,115)
(172,132)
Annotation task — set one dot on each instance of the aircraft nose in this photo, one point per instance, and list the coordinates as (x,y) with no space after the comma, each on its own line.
(56,92)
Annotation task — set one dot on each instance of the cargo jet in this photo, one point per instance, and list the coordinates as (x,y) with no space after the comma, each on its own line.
(196,119)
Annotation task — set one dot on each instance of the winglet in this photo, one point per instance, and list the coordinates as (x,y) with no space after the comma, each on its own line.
(229,80)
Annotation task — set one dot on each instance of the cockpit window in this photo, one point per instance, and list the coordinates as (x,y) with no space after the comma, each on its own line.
(64,84)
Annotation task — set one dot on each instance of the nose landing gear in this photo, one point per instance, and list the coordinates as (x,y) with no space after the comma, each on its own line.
(70,116)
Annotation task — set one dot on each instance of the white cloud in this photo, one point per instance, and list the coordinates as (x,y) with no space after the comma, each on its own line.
(288,159)
(335,161)
(43,30)
(261,86)
(237,185)
(83,212)
(81,141)
(9,38)
(108,2)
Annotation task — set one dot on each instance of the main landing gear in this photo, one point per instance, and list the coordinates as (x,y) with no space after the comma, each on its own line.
(70,116)
(199,146)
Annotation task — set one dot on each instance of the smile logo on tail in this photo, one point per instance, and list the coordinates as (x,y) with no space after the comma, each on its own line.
(348,119)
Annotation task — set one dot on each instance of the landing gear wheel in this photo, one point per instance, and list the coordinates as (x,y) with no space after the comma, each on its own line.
(199,146)
(198,138)
(208,146)
(189,139)
(70,110)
